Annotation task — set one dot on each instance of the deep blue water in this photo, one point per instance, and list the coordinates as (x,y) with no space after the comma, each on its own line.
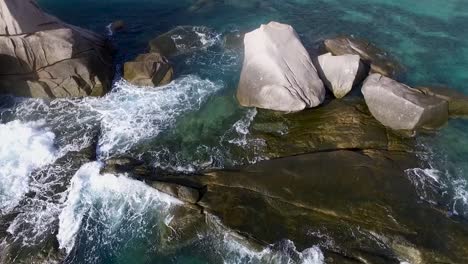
(194,125)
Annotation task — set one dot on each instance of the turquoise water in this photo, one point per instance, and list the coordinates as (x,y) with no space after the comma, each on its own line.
(197,123)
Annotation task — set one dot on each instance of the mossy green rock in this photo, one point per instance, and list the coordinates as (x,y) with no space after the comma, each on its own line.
(339,124)
(357,204)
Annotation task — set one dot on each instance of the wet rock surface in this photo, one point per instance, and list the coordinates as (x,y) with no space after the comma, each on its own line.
(359,206)
(338,124)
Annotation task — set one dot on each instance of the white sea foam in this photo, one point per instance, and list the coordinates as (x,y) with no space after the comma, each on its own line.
(242,128)
(125,116)
(130,115)
(109,200)
(236,250)
(432,183)
(24,147)
(205,36)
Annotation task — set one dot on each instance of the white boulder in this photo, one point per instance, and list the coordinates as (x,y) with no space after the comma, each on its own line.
(400,107)
(278,73)
(339,73)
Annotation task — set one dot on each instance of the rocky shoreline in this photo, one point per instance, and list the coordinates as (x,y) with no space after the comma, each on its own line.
(336,159)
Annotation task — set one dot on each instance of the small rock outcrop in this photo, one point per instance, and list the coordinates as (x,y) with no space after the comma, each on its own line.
(278,73)
(339,73)
(401,107)
(457,101)
(234,40)
(182,39)
(117,25)
(150,69)
(378,60)
(41,56)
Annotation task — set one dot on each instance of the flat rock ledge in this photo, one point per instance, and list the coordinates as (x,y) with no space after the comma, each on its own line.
(342,200)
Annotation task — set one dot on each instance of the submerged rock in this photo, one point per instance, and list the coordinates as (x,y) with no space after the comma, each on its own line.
(339,124)
(378,60)
(398,106)
(117,25)
(183,39)
(234,40)
(150,69)
(41,56)
(457,101)
(277,72)
(340,73)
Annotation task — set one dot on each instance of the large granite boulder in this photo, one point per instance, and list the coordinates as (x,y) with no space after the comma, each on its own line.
(401,107)
(378,60)
(150,69)
(458,102)
(340,73)
(278,73)
(183,39)
(41,56)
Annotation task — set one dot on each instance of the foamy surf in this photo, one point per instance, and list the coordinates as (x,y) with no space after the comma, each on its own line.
(117,203)
(24,147)
(113,211)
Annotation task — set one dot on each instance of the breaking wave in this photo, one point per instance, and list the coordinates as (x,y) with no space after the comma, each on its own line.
(107,214)
(24,147)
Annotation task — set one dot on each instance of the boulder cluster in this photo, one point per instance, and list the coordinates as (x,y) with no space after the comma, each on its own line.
(279,74)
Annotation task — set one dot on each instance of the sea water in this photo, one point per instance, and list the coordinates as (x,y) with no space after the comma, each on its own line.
(195,123)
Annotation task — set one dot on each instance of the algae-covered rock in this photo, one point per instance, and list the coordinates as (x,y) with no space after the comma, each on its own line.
(339,124)
(356,204)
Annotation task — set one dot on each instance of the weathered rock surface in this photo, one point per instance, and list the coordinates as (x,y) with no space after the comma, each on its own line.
(150,69)
(378,60)
(340,73)
(41,56)
(278,73)
(356,205)
(400,107)
(457,101)
(339,124)
(182,39)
